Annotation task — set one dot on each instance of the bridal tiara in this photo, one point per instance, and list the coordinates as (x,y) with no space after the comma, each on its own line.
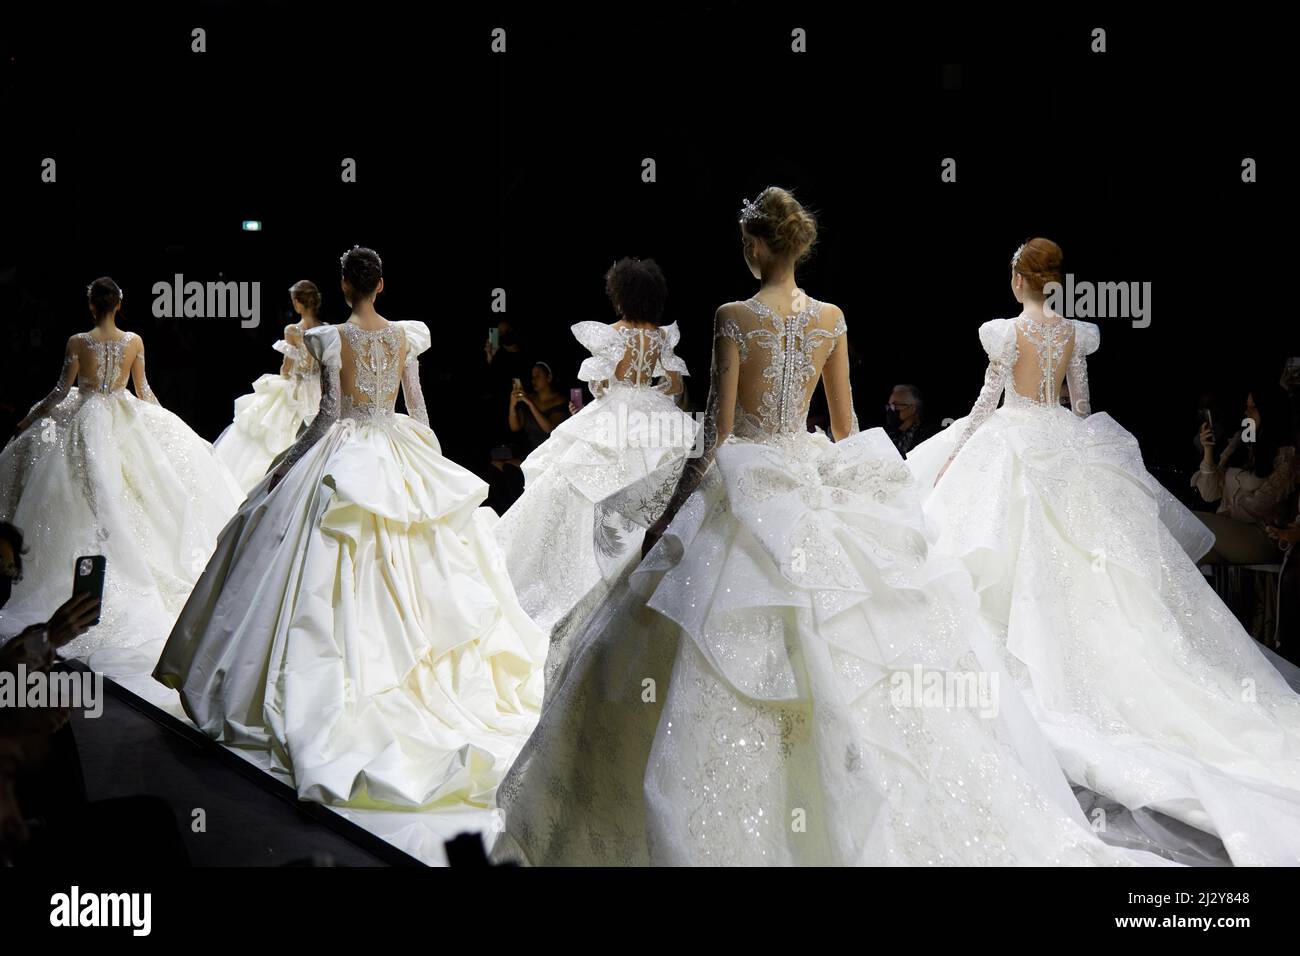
(120,294)
(1015,256)
(750,210)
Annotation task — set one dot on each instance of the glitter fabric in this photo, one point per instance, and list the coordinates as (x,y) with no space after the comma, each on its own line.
(1148,688)
(592,488)
(267,419)
(100,471)
(356,621)
(733,700)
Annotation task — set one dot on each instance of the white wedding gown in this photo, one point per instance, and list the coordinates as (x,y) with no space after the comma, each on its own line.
(357,620)
(632,435)
(267,419)
(1149,690)
(102,472)
(735,699)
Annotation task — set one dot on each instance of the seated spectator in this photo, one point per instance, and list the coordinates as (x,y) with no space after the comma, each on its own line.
(905,421)
(1252,480)
(533,414)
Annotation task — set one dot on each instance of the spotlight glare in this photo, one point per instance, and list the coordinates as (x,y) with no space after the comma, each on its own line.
(252,225)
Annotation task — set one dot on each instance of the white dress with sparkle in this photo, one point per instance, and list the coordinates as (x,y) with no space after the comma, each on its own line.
(102,472)
(267,419)
(564,540)
(357,621)
(1148,688)
(754,692)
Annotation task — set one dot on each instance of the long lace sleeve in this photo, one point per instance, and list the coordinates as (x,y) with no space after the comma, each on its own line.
(324,345)
(418,340)
(1086,339)
(67,375)
(670,368)
(720,411)
(142,389)
(839,390)
(999,340)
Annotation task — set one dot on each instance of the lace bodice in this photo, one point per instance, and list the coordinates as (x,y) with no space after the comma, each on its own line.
(292,347)
(767,366)
(360,372)
(641,358)
(1028,361)
(781,358)
(99,367)
(108,371)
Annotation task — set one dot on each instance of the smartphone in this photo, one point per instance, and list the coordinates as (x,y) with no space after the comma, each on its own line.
(575,396)
(519,386)
(494,338)
(88,577)
(1206,416)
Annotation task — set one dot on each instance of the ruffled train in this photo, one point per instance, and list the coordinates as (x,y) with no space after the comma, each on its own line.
(357,622)
(751,694)
(1149,690)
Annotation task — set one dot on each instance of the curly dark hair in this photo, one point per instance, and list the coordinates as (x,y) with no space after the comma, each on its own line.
(362,268)
(104,295)
(637,288)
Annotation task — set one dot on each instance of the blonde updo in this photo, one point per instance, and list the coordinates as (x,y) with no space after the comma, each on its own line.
(784,225)
(304,291)
(1039,262)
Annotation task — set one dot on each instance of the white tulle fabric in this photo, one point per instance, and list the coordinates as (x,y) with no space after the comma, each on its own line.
(104,472)
(632,436)
(1147,687)
(731,701)
(267,419)
(357,620)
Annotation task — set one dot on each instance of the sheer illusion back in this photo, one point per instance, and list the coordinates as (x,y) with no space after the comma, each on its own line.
(1044,350)
(781,358)
(100,367)
(633,356)
(360,373)
(1029,358)
(370,370)
(104,365)
(641,348)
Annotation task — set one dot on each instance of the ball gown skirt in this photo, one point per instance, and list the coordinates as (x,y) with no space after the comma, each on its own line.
(1148,688)
(106,473)
(358,623)
(745,695)
(561,558)
(266,422)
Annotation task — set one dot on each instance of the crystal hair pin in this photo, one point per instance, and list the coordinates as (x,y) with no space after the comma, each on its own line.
(750,210)
(1015,257)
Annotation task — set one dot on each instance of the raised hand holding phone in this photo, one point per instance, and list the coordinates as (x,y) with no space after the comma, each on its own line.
(88,578)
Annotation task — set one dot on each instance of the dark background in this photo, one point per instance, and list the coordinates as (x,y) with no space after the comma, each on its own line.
(523,171)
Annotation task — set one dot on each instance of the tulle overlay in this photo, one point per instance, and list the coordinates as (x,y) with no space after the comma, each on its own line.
(630,438)
(106,473)
(736,699)
(266,423)
(358,621)
(1149,690)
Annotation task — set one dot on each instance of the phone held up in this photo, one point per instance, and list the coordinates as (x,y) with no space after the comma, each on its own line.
(88,577)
